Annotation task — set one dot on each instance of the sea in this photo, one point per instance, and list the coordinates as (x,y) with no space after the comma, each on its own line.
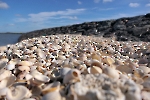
(9,38)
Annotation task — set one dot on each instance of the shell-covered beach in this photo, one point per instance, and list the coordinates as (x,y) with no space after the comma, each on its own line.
(75,67)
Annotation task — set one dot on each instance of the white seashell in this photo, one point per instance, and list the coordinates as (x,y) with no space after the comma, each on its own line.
(111,72)
(40,78)
(28,77)
(72,76)
(10,65)
(42,55)
(95,56)
(24,63)
(145,95)
(4,74)
(145,69)
(17,93)
(3,91)
(108,60)
(94,70)
(95,62)
(24,68)
(64,71)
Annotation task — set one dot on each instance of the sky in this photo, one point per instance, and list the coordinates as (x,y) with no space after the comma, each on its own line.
(29,15)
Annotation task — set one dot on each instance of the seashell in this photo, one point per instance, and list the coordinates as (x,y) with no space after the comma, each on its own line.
(118,62)
(95,56)
(51,92)
(64,71)
(28,76)
(145,69)
(2,64)
(133,65)
(124,68)
(72,76)
(51,87)
(108,60)
(94,70)
(24,63)
(145,95)
(146,77)
(82,67)
(4,74)
(61,57)
(10,65)
(3,91)
(40,78)
(138,72)
(24,68)
(36,90)
(133,93)
(111,72)
(146,85)
(96,63)
(17,93)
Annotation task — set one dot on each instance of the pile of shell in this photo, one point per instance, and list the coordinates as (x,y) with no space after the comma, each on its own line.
(75,67)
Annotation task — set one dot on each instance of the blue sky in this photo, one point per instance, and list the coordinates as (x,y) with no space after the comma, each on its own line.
(29,15)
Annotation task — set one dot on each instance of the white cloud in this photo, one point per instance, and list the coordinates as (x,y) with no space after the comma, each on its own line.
(148,5)
(107,0)
(79,2)
(134,4)
(44,16)
(106,9)
(69,17)
(96,1)
(3,5)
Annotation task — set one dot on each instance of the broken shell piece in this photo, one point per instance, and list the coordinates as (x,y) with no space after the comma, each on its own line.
(17,93)
(55,86)
(72,76)
(94,70)
(51,92)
